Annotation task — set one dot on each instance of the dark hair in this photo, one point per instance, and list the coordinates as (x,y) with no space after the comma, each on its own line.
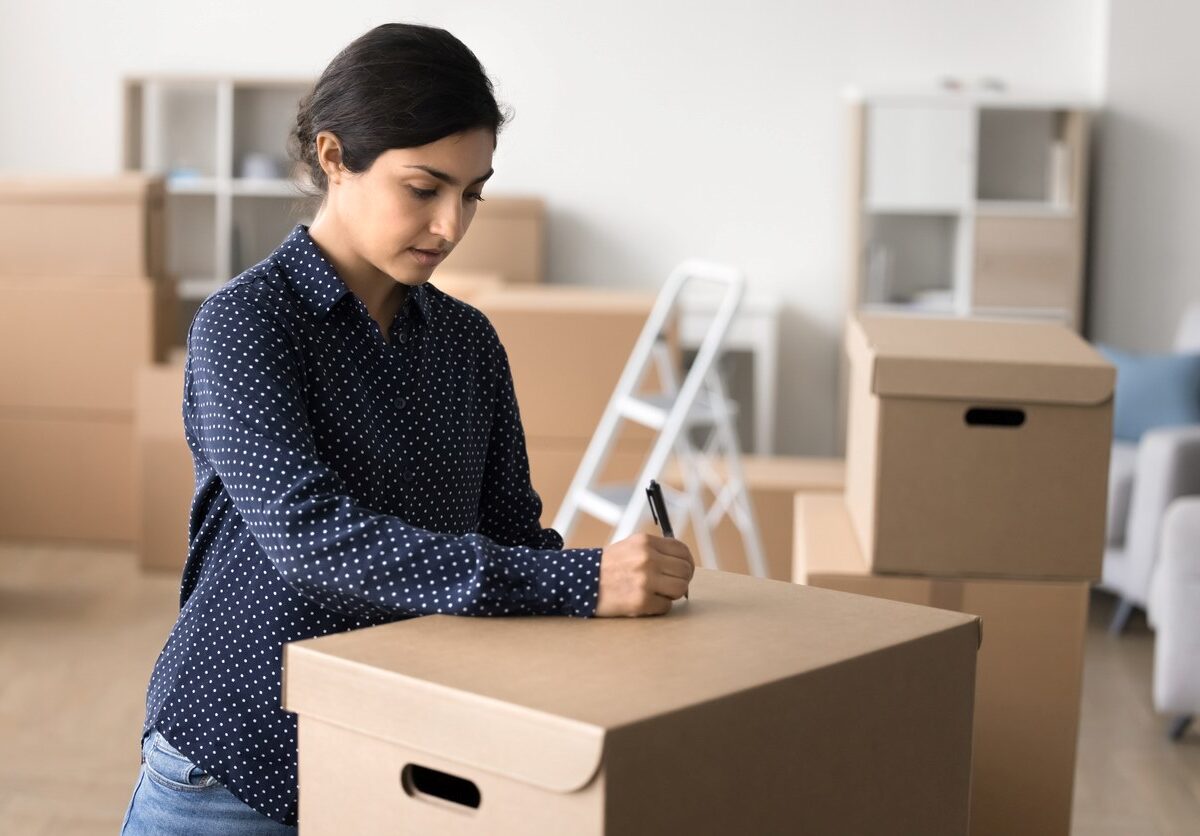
(400,85)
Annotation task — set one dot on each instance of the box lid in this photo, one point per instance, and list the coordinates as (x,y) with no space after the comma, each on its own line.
(978,359)
(537,698)
(123,187)
(578,299)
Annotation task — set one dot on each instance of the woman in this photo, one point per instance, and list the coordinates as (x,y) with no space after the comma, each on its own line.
(358,448)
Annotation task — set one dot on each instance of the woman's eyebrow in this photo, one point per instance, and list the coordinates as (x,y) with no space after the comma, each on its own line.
(446,178)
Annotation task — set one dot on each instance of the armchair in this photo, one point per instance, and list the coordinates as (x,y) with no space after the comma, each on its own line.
(1174,610)
(1144,478)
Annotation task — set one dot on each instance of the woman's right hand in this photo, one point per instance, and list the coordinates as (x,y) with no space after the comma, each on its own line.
(642,575)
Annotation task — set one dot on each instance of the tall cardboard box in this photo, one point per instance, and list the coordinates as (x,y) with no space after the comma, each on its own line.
(84,227)
(567,347)
(67,475)
(467,284)
(977,447)
(69,353)
(165,478)
(75,343)
(755,707)
(1029,677)
(508,236)
(773,482)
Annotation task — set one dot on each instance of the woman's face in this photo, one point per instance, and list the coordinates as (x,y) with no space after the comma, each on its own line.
(413,205)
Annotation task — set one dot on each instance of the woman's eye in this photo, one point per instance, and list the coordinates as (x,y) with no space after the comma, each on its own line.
(423,194)
(475,196)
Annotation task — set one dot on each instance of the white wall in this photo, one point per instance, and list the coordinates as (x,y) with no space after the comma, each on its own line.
(1146,224)
(656,130)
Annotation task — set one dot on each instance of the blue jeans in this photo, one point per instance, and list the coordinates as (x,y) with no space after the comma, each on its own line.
(174,797)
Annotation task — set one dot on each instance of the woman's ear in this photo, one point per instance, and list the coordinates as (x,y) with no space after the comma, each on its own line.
(329,155)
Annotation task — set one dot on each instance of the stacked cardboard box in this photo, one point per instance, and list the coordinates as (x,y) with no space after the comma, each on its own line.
(567,346)
(507,236)
(87,303)
(164,479)
(977,458)
(755,707)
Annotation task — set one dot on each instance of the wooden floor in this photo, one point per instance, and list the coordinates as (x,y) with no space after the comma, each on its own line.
(80,629)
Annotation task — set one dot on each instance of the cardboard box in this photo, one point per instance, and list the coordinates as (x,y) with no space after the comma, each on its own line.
(507,236)
(977,447)
(567,347)
(111,226)
(1027,689)
(67,476)
(467,285)
(755,707)
(165,478)
(773,482)
(72,343)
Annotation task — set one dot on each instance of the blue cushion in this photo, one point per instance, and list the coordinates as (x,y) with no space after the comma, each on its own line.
(1153,390)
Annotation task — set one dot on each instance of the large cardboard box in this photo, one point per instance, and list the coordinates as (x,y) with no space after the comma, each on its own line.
(773,482)
(1029,677)
(164,479)
(567,347)
(72,343)
(755,707)
(977,447)
(67,476)
(85,227)
(508,236)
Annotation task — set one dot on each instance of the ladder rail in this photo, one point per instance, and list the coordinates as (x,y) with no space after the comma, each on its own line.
(672,417)
(600,446)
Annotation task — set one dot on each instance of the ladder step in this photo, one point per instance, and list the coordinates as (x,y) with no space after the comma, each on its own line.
(606,502)
(652,410)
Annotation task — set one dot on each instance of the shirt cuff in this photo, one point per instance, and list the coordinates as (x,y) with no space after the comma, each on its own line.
(564,582)
(577,586)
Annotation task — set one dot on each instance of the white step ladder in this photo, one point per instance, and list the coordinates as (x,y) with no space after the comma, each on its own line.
(699,402)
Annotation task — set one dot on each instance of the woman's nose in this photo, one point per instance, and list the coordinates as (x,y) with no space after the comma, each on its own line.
(447,223)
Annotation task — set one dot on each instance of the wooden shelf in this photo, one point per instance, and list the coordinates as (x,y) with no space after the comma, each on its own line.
(1023,209)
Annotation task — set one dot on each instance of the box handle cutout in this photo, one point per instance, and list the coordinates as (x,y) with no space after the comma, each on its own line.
(982,416)
(423,782)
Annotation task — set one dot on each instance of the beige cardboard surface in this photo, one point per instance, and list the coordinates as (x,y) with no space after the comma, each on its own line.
(507,236)
(466,284)
(850,715)
(1029,675)
(773,482)
(1024,500)
(567,347)
(115,226)
(67,476)
(76,343)
(164,475)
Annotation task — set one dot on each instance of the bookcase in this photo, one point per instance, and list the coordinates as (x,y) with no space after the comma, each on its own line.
(221,145)
(968,204)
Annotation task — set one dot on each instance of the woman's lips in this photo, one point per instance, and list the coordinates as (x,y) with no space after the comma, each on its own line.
(426,258)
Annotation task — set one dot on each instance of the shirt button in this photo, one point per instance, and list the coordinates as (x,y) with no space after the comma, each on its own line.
(403,336)
(400,402)
(409,476)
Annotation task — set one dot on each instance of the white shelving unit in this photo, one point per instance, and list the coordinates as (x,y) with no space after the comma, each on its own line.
(210,137)
(969,204)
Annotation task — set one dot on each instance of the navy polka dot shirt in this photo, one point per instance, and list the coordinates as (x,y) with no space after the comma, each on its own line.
(342,481)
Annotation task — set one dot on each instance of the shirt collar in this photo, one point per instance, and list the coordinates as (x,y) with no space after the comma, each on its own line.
(316,280)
